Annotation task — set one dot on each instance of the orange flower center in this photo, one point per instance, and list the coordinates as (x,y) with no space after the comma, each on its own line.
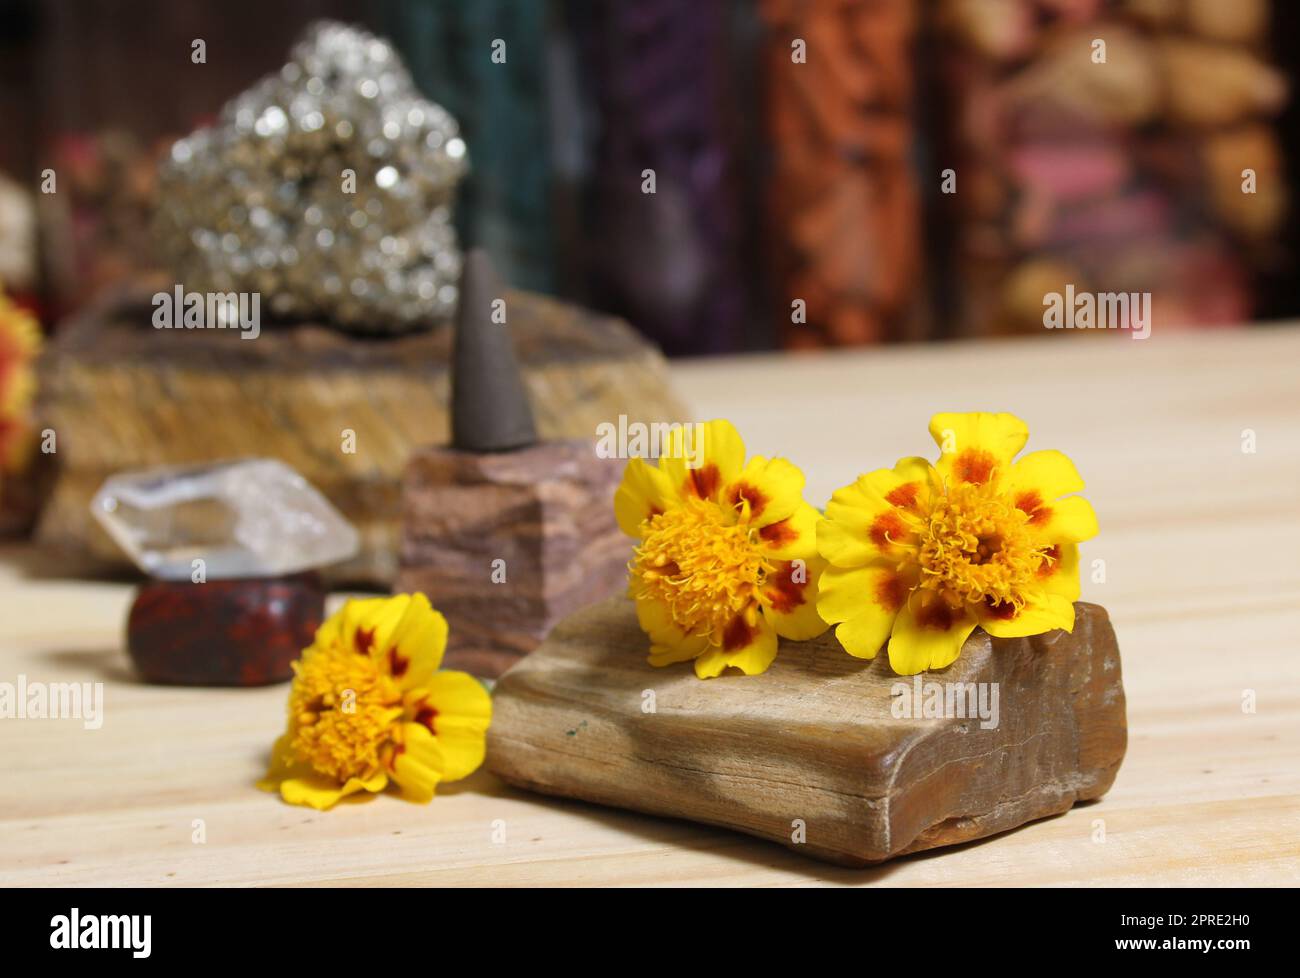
(976,548)
(343,713)
(703,568)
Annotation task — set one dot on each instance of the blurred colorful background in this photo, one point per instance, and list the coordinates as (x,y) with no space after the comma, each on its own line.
(800,202)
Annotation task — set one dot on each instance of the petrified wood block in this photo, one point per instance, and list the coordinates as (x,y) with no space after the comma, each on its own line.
(505,544)
(816,747)
(123,395)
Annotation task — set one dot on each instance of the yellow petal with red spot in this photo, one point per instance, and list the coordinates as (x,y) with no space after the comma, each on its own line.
(357,625)
(793,538)
(918,480)
(417,763)
(749,648)
(1059,573)
(865,601)
(457,710)
(366,625)
(927,635)
(644,491)
(1069,520)
(977,445)
(701,459)
(767,491)
(415,649)
(906,486)
(790,599)
(844,592)
(1041,613)
(876,516)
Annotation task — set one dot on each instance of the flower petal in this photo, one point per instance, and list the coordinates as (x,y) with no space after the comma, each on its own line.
(415,649)
(366,625)
(749,648)
(668,643)
(927,634)
(1049,473)
(457,710)
(865,600)
(417,763)
(1059,572)
(1069,520)
(844,542)
(655,622)
(701,459)
(770,489)
(710,663)
(846,592)
(322,792)
(1038,481)
(1041,613)
(977,445)
(670,653)
(876,516)
(644,492)
(865,635)
(792,538)
(791,596)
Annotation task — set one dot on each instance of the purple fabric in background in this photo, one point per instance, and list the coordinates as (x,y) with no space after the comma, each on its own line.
(663,73)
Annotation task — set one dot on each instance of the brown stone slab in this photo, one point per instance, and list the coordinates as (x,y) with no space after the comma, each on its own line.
(816,743)
(345,412)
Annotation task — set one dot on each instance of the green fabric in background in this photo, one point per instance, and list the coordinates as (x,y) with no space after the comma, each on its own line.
(505,202)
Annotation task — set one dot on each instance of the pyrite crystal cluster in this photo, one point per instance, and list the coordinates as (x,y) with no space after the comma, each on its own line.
(327,188)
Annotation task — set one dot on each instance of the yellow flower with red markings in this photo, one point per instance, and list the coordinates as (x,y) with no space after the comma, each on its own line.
(370,708)
(20,342)
(726,557)
(920,554)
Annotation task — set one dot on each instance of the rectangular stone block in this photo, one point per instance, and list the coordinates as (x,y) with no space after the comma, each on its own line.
(545,512)
(835,757)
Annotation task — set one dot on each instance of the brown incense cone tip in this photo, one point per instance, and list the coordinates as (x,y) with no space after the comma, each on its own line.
(490,411)
(223,633)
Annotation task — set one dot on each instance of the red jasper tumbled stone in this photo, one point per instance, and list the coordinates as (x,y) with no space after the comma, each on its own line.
(223,633)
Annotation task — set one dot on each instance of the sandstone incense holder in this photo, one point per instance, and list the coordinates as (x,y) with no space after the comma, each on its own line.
(838,758)
(504,532)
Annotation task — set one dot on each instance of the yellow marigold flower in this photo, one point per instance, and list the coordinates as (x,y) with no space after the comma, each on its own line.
(20,341)
(369,706)
(920,554)
(726,558)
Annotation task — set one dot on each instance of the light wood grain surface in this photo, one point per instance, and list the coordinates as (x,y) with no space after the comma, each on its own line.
(1201,544)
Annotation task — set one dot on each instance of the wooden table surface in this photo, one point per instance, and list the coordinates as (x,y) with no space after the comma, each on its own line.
(1201,544)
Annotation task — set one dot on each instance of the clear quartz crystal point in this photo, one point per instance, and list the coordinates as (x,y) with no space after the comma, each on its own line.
(252,517)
